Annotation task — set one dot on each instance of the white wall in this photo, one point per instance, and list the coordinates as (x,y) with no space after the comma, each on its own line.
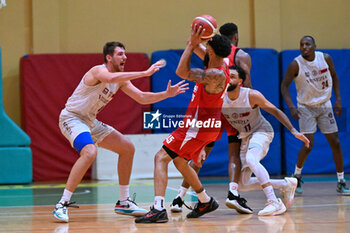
(146,146)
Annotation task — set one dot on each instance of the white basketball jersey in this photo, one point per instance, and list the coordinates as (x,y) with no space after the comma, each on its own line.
(242,116)
(314,80)
(86,101)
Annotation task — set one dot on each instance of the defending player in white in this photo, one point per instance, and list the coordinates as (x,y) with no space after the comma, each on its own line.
(241,108)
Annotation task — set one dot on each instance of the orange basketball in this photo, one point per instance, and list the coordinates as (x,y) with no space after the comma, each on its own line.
(208,22)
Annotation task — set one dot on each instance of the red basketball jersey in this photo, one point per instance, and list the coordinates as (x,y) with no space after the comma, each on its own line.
(204,112)
(231,59)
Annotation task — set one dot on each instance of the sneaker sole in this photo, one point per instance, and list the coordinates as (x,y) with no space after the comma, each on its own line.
(231,205)
(175,208)
(275,213)
(294,182)
(158,221)
(127,212)
(57,217)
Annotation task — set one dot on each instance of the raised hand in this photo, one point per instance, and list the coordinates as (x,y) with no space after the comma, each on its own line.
(176,89)
(302,137)
(154,68)
(294,112)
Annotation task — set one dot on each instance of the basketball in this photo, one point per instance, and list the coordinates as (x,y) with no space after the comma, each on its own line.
(208,22)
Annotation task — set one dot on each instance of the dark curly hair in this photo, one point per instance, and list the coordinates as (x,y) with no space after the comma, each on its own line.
(109,47)
(221,45)
(241,72)
(229,30)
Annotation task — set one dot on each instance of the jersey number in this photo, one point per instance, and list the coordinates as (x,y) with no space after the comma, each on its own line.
(325,84)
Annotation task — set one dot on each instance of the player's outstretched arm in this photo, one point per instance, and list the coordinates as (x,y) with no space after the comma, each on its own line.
(257,99)
(103,75)
(151,97)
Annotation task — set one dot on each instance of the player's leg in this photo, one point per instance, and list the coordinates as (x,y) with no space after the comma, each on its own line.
(302,156)
(329,128)
(205,203)
(234,200)
(257,149)
(80,138)
(158,213)
(121,145)
(177,203)
(307,126)
(333,140)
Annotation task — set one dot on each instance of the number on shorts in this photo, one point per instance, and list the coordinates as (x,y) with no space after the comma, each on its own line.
(325,84)
(247,128)
(169,139)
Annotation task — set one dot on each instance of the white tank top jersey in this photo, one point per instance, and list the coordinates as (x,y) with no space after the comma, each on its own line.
(86,101)
(242,116)
(314,80)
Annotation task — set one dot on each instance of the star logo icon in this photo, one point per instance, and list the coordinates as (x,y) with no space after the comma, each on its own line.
(156,115)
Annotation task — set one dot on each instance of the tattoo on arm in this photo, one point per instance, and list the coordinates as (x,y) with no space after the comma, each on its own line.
(213,79)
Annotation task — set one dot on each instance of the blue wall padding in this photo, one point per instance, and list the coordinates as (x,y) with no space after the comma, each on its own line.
(320,159)
(264,71)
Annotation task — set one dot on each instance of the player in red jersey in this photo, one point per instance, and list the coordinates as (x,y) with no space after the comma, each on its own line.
(189,139)
(242,59)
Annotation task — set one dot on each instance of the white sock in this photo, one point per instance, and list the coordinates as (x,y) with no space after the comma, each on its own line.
(297,170)
(233,187)
(340,176)
(66,196)
(203,197)
(123,192)
(270,194)
(182,192)
(158,203)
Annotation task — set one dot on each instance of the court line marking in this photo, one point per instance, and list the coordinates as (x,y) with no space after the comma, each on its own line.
(86,191)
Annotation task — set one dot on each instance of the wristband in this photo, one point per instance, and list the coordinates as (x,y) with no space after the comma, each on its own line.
(294,131)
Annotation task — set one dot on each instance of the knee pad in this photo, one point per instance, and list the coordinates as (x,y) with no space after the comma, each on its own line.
(82,140)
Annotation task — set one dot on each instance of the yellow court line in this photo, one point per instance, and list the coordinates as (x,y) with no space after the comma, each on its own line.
(52,186)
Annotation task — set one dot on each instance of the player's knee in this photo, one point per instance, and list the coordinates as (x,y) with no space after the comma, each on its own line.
(162,157)
(89,152)
(308,149)
(83,141)
(251,160)
(129,148)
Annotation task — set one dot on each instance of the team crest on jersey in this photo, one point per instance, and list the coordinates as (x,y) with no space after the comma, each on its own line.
(235,115)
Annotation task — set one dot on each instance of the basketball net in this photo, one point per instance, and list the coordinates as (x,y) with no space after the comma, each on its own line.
(2,3)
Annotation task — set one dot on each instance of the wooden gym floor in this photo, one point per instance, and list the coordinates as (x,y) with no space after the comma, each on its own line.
(28,208)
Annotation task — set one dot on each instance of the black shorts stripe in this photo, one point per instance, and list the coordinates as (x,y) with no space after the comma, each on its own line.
(233,138)
(171,153)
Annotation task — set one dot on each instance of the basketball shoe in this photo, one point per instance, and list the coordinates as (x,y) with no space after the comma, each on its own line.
(176,205)
(273,208)
(299,189)
(153,216)
(128,207)
(288,191)
(238,203)
(342,188)
(61,211)
(203,208)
